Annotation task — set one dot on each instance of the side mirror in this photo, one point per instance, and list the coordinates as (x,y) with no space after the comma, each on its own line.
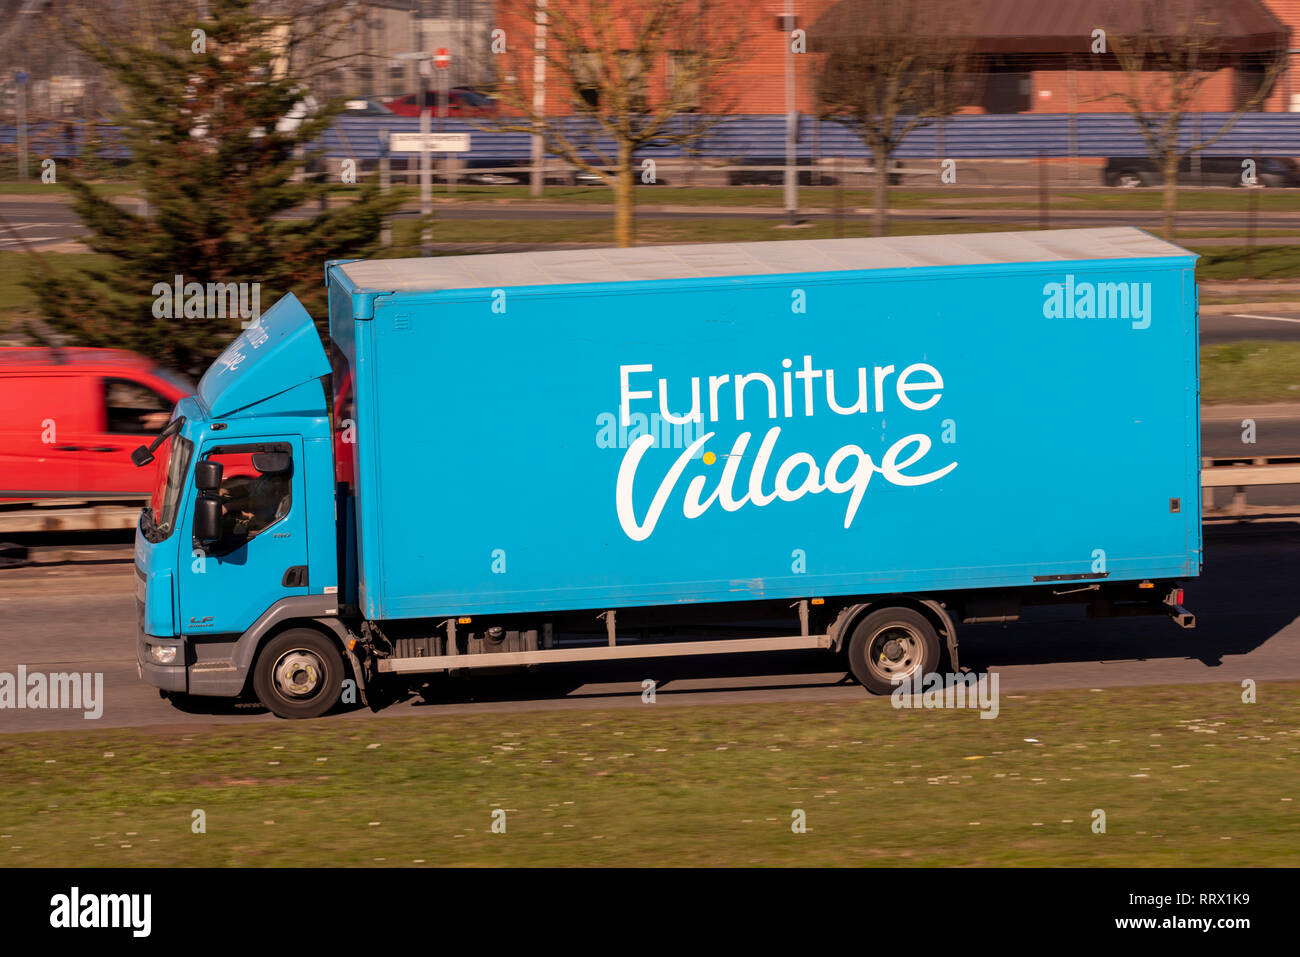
(207,476)
(141,456)
(271,463)
(207,518)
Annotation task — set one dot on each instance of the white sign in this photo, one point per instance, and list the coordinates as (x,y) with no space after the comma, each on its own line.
(436,142)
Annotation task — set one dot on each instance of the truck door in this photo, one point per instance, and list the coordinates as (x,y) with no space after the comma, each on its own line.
(261,556)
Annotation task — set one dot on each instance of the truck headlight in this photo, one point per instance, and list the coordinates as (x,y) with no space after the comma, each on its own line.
(162,654)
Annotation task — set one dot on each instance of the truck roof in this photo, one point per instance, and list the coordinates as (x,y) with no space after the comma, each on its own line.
(648,263)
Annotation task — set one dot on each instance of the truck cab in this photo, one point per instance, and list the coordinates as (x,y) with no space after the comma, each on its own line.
(238,539)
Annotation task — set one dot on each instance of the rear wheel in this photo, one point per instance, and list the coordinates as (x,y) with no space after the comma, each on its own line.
(299,674)
(892,644)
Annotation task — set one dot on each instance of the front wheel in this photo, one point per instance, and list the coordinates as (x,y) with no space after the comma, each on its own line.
(299,674)
(892,644)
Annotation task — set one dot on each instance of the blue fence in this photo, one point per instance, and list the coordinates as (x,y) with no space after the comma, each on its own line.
(752,138)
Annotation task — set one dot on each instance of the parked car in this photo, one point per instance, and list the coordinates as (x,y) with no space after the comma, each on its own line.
(776,175)
(366,106)
(1133,171)
(72,417)
(584,177)
(461,101)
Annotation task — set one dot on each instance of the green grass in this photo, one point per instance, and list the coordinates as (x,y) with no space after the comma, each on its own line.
(1240,262)
(1250,371)
(30,188)
(1187,776)
(16,299)
(762,197)
(1145,200)
(651,231)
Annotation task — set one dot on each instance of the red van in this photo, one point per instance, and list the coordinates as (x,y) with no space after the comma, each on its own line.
(69,419)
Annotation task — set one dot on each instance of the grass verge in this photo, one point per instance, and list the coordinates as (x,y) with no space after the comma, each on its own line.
(1250,370)
(1186,775)
(37,188)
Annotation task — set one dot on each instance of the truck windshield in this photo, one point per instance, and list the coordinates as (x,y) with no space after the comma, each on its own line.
(173,460)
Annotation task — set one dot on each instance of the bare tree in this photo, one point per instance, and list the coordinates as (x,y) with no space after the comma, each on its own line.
(631,70)
(887,68)
(1176,46)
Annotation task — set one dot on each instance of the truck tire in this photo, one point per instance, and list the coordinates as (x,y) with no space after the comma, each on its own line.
(299,674)
(890,644)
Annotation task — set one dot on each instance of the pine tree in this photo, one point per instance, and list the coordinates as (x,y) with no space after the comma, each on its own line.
(199,116)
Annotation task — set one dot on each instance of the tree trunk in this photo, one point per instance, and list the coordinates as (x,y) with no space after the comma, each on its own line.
(624,199)
(1171,195)
(880,212)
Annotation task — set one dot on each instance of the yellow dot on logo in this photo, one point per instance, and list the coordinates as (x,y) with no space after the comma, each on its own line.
(709,458)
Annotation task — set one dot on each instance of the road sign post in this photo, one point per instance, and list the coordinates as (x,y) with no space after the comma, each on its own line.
(422,71)
(442,60)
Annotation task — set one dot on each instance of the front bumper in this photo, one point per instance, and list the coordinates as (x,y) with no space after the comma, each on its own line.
(167,677)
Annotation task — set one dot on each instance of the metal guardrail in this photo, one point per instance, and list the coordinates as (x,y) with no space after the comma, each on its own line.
(1241,473)
(65,515)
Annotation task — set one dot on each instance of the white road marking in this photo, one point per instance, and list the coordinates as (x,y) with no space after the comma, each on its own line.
(1246,315)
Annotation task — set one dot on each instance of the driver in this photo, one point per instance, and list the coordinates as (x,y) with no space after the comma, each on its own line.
(252,502)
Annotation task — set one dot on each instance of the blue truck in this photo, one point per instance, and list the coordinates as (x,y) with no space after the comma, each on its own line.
(517,460)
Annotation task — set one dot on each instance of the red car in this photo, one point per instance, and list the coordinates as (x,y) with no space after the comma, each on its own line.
(72,416)
(460,102)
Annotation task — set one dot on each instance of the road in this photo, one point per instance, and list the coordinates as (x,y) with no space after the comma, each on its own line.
(82,618)
(1280,324)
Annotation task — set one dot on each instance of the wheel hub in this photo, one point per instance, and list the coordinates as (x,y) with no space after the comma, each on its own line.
(894,652)
(298,673)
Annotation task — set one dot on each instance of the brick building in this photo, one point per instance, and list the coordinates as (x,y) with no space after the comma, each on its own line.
(1032,55)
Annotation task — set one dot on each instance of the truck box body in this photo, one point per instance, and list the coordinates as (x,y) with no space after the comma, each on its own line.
(1008,409)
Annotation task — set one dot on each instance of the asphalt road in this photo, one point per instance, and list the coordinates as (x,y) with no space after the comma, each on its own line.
(82,618)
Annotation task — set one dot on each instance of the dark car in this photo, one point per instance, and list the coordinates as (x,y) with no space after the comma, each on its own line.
(775,175)
(1274,171)
(461,101)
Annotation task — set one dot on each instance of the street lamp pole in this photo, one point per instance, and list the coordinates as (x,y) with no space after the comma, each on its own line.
(536,179)
(791,122)
(426,160)
(20,108)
